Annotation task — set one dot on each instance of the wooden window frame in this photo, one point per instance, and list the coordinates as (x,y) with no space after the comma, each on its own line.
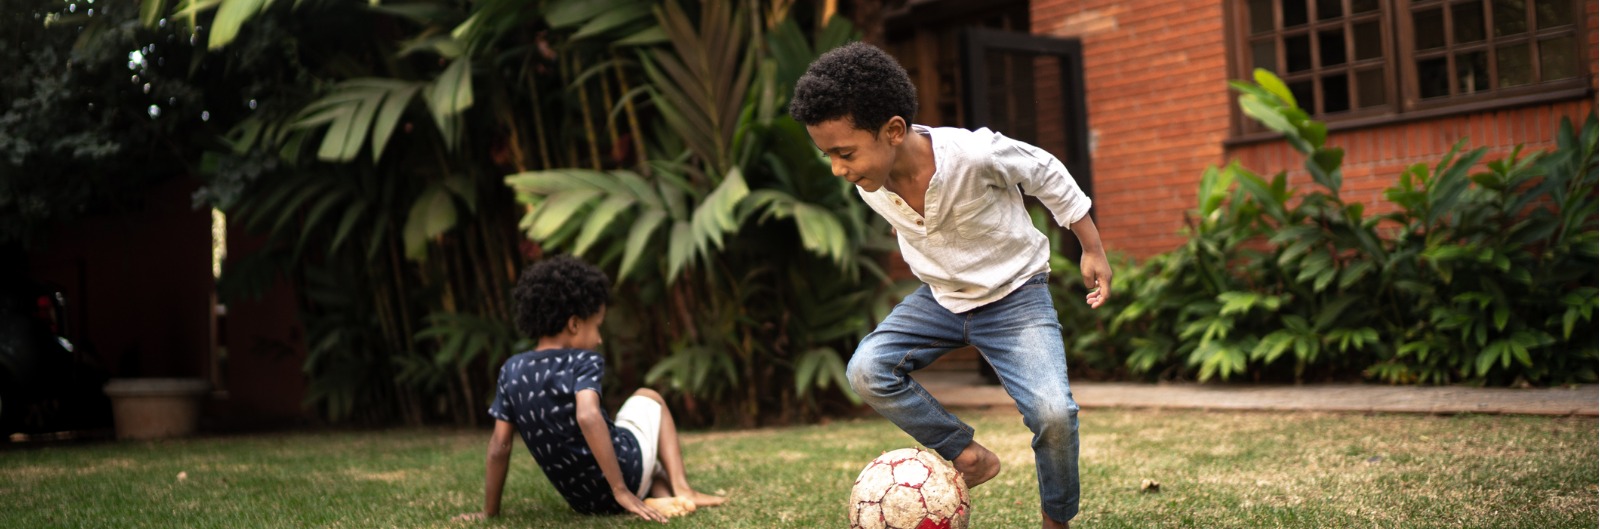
(1402,85)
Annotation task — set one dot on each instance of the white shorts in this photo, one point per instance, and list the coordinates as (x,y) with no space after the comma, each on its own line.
(642,416)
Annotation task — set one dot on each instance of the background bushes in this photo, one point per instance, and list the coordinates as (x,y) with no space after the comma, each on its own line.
(1485,273)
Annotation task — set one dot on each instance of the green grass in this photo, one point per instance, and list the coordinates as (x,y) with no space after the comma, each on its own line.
(1216,469)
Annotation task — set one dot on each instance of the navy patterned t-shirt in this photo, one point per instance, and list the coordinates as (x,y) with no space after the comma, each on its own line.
(538,393)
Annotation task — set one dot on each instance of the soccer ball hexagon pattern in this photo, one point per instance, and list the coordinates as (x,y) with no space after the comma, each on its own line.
(909,488)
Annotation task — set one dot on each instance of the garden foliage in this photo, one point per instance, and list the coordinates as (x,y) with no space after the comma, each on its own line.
(1484,273)
(646,136)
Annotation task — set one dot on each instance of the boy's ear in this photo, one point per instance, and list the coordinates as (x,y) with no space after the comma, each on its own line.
(894,130)
(572,324)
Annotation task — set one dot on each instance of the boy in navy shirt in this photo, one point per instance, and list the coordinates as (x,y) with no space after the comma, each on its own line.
(551,396)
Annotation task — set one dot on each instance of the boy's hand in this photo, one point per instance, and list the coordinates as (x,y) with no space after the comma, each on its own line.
(1097,277)
(637,506)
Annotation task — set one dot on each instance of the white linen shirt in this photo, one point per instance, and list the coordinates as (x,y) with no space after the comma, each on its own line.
(976,244)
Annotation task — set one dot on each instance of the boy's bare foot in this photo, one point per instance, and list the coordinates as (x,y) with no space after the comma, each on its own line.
(671,507)
(977,464)
(700,499)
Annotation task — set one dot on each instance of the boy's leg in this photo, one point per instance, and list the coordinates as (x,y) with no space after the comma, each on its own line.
(1021,337)
(670,453)
(917,332)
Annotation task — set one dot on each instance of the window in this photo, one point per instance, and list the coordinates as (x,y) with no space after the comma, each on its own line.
(1378,59)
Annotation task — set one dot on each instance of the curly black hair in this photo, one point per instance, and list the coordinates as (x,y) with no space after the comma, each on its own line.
(858,81)
(555,289)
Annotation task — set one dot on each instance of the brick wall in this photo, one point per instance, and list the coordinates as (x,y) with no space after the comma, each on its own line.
(1156,88)
(1374,157)
(1155,77)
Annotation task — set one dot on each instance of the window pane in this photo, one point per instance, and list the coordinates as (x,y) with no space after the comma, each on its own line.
(1429,25)
(1513,64)
(1362,6)
(1369,84)
(1260,16)
(1369,40)
(1510,17)
(1556,58)
(1433,77)
(1265,55)
(1468,22)
(1329,9)
(1301,90)
(1553,13)
(1297,53)
(1294,13)
(1331,47)
(1336,93)
(1472,72)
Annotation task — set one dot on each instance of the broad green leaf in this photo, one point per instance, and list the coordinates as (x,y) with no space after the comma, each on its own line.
(557,211)
(602,216)
(1272,84)
(231,15)
(433,214)
(638,238)
(389,117)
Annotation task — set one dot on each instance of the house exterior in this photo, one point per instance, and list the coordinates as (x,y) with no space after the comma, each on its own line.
(1397,81)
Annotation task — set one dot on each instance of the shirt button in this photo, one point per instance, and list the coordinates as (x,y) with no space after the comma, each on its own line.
(919,222)
(897,202)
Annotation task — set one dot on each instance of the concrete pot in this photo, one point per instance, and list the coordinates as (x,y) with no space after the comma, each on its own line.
(155,408)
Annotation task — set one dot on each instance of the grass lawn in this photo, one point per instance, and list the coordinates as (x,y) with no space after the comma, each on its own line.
(1216,469)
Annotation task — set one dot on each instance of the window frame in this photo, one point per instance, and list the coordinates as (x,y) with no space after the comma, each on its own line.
(1402,85)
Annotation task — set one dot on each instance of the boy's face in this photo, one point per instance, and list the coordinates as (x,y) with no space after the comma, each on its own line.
(588,330)
(859,156)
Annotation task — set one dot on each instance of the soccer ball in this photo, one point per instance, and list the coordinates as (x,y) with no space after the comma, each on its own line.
(909,488)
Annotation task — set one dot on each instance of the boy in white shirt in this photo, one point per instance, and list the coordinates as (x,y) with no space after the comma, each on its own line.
(953,198)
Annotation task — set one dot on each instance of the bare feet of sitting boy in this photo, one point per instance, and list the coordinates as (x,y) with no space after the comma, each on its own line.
(675,506)
(671,506)
(977,464)
(700,499)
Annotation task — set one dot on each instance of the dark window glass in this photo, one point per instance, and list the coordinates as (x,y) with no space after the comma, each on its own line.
(1331,45)
(1294,13)
(1557,58)
(1265,55)
(1510,17)
(1369,86)
(1336,93)
(1329,9)
(1369,40)
(1513,64)
(1433,77)
(1297,53)
(1260,16)
(1363,6)
(1429,27)
(1468,23)
(1553,13)
(1302,94)
(1472,70)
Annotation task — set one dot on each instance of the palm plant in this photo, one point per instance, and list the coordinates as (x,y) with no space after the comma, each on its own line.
(634,136)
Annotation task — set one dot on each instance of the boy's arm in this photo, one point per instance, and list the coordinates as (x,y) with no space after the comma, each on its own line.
(496,465)
(598,437)
(1096,270)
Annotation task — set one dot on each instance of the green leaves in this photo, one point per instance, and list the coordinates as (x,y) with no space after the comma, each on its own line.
(352,111)
(1474,275)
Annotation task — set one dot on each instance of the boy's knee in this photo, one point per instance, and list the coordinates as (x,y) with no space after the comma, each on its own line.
(865,377)
(650,394)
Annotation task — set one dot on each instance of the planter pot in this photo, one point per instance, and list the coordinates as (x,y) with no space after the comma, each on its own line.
(155,408)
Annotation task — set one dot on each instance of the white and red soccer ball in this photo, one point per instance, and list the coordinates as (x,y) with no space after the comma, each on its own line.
(909,488)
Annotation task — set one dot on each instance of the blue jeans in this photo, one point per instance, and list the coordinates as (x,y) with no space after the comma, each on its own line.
(1021,338)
